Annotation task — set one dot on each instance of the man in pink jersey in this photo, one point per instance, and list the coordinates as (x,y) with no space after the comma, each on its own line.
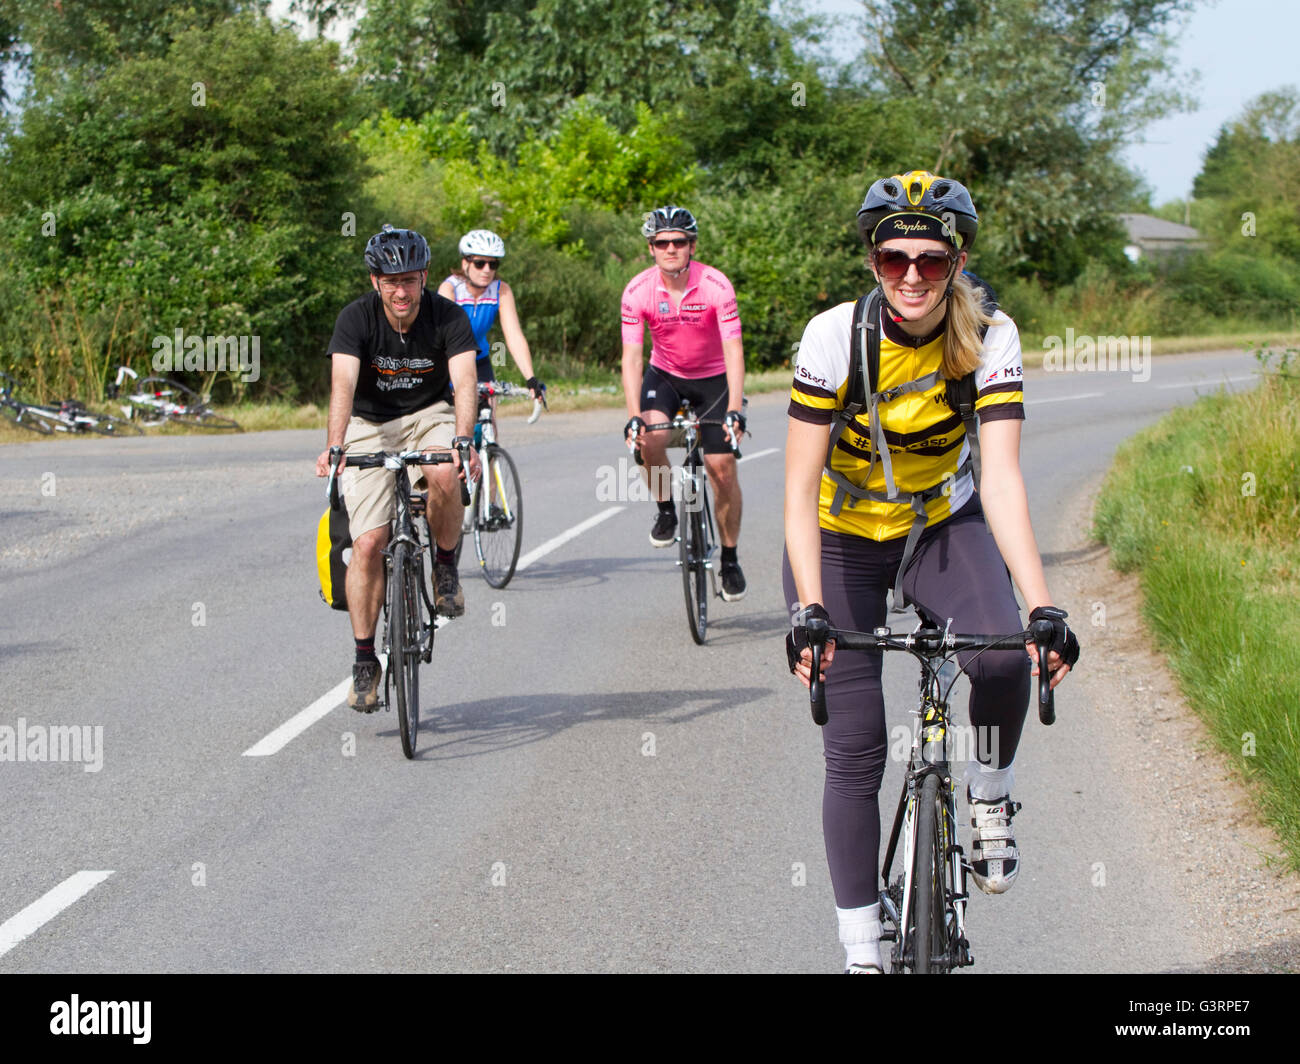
(697,355)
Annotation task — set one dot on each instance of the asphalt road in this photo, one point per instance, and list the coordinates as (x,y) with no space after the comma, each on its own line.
(593,791)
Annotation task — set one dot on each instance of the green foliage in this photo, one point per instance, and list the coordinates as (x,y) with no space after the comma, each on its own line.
(1220,590)
(1033,128)
(202,189)
(515,65)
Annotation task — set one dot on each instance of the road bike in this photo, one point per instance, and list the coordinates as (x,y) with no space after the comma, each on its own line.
(696,530)
(68,416)
(923,905)
(408,609)
(157,400)
(494,518)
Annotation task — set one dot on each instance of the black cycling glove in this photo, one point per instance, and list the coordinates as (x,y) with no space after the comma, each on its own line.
(536,387)
(736,420)
(797,638)
(633,428)
(1063,640)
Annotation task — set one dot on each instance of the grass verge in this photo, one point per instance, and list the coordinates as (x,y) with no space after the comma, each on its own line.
(1205,505)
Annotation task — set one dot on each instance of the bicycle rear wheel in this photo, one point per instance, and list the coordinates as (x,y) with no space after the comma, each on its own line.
(694,576)
(931,944)
(499,532)
(205,419)
(404,642)
(26,417)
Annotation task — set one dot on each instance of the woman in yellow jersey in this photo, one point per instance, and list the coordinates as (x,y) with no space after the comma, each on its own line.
(904,511)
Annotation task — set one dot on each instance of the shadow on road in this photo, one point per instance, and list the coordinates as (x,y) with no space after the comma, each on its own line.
(489,726)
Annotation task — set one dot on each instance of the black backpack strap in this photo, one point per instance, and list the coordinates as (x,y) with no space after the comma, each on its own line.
(864,369)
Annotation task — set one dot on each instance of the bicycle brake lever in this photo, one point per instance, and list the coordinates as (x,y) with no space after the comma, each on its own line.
(1042,630)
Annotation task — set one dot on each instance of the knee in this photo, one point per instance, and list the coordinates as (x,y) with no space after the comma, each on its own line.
(368,548)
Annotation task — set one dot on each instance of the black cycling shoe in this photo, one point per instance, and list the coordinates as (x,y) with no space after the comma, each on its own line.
(364,696)
(733,583)
(664,532)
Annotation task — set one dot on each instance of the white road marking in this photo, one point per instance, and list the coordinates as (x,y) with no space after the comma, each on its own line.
(305,718)
(47,907)
(1208,382)
(1064,398)
(757,454)
(564,537)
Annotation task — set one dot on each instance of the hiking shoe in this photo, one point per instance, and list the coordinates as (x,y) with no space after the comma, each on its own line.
(450,599)
(995,861)
(733,583)
(664,532)
(364,695)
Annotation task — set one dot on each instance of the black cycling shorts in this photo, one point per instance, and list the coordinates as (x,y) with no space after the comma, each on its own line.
(708,397)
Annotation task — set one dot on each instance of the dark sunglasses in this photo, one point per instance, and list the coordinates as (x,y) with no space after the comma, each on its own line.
(892,265)
(675,242)
(478,264)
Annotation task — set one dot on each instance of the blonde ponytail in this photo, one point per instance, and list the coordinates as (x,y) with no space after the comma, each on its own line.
(961,339)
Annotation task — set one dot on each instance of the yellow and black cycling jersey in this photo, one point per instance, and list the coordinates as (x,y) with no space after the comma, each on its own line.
(926,439)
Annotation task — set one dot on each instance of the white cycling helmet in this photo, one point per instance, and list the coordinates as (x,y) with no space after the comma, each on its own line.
(482,242)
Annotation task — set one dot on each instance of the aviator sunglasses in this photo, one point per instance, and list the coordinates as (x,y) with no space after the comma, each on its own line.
(892,265)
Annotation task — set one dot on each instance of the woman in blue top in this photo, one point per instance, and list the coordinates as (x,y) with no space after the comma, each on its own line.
(483,296)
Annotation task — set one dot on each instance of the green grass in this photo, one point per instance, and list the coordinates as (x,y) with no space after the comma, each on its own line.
(1205,506)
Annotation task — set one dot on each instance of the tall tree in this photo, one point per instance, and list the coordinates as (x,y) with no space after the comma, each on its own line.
(1030,102)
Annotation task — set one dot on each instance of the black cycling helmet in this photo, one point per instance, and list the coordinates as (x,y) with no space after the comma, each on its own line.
(919,192)
(662,219)
(396,251)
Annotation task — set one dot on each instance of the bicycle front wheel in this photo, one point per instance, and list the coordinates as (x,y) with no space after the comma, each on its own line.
(694,576)
(498,518)
(404,642)
(931,941)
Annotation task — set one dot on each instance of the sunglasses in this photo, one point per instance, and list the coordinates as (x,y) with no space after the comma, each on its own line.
(676,242)
(479,264)
(893,265)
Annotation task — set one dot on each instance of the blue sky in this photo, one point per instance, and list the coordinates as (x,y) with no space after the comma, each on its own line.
(1240,47)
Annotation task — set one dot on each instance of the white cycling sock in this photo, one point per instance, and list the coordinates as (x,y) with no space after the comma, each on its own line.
(860,934)
(988,784)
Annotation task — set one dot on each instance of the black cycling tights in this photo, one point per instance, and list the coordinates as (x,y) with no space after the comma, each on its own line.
(956,571)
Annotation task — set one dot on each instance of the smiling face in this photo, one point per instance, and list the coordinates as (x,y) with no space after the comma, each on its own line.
(918,300)
(400,294)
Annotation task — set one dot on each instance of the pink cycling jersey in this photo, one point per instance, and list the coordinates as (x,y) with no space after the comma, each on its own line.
(687,338)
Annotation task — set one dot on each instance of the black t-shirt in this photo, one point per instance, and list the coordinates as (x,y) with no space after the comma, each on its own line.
(400,378)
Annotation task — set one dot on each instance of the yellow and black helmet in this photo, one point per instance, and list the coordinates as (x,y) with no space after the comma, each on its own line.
(946,203)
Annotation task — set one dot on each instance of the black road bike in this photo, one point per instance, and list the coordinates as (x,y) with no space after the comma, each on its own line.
(923,903)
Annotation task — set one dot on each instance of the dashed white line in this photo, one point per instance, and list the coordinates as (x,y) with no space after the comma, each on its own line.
(757,454)
(47,907)
(1211,383)
(564,537)
(1064,398)
(305,718)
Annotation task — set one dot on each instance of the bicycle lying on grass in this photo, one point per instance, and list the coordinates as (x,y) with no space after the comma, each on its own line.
(67,416)
(923,907)
(494,517)
(696,531)
(408,609)
(156,400)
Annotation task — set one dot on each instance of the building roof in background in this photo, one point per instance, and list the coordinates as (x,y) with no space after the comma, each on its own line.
(1142,227)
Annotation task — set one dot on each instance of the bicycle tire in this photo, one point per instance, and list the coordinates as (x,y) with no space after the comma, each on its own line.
(931,944)
(106,425)
(694,579)
(497,537)
(204,419)
(403,648)
(23,418)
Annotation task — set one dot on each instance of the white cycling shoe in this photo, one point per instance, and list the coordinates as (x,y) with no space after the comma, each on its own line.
(995,860)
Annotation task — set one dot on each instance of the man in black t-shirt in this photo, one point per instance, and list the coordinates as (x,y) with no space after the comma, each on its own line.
(396,353)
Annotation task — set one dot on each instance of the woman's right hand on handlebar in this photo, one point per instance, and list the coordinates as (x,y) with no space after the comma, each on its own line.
(632,432)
